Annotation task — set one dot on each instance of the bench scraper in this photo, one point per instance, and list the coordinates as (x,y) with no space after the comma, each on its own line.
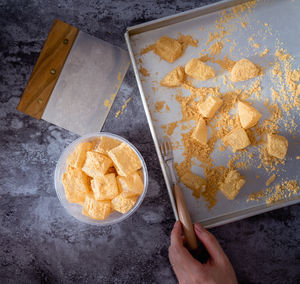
(75,80)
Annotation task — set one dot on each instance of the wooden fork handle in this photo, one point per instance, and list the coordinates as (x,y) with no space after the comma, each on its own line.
(185,218)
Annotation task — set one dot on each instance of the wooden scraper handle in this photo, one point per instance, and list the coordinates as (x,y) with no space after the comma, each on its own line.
(47,69)
(185,219)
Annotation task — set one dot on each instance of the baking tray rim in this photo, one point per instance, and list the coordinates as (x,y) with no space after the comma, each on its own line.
(169,20)
(183,16)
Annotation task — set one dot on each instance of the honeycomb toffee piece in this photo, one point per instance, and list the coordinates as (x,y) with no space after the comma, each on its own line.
(123,203)
(277,145)
(106,144)
(237,139)
(125,160)
(232,184)
(193,181)
(243,70)
(76,185)
(78,156)
(95,209)
(200,132)
(198,70)
(105,187)
(209,107)
(96,164)
(174,78)
(130,185)
(248,115)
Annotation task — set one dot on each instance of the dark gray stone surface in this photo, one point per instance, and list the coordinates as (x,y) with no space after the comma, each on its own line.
(39,242)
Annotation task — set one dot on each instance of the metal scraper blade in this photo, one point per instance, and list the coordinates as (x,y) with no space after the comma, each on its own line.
(87,85)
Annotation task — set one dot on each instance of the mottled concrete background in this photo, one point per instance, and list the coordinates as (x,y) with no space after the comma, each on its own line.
(39,242)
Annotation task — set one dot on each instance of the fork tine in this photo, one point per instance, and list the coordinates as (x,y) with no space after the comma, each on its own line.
(162,148)
(166,148)
(169,145)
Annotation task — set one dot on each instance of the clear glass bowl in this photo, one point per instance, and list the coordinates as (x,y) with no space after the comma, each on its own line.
(75,209)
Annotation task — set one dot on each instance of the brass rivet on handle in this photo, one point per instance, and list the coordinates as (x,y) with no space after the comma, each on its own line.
(40,101)
(52,71)
(66,41)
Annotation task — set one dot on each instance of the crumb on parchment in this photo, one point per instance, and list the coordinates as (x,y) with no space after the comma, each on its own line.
(144,72)
(270,180)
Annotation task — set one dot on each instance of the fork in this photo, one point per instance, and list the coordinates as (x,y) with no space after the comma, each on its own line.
(183,213)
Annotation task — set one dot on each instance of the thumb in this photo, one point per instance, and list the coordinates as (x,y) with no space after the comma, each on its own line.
(176,233)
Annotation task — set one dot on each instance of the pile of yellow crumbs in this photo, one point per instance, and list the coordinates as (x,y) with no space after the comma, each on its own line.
(280,191)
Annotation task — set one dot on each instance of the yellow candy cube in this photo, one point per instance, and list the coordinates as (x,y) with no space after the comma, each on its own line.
(131,185)
(277,145)
(232,184)
(98,210)
(96,164)
(243,70)
(106,144)
(237,139)
(105,187)
(174,78)
(200,132)
(248,115)
(198,70)
(168,48)
(209,107)
(125,160)
(193,181)
(123,203)
(76,185)
(78,156)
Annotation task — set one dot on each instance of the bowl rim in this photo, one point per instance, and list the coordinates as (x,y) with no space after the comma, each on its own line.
(58,169)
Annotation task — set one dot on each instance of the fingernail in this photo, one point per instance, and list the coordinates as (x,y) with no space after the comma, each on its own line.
(177,224)
(198,227)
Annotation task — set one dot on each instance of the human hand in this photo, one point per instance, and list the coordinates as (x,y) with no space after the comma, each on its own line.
(217,269)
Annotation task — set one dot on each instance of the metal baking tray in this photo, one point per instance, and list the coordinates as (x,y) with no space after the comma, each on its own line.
(268,14)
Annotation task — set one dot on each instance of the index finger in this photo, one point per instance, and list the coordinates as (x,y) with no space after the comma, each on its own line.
(210,242)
